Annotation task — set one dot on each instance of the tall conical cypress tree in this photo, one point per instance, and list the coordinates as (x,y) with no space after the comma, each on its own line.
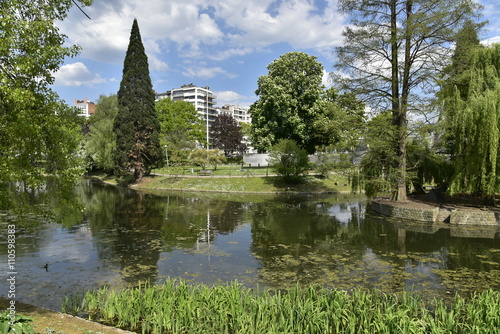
(137,127)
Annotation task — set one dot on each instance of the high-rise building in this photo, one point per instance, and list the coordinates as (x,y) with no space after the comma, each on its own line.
(85,107)
(202,98)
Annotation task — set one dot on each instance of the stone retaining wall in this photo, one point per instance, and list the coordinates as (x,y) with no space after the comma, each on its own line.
(406,213)
(455,216)
(473,217)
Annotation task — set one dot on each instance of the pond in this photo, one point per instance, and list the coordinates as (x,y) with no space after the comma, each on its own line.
(124,236)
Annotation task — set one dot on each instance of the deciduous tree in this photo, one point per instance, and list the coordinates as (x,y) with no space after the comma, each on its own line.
(289,100)
(392,54)
(181,127)
(100,142)
(288,159)
(226,134)
(136,126)
(39,134)
(474,122)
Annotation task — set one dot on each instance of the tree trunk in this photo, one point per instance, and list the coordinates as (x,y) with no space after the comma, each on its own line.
(138,172)
(398,113)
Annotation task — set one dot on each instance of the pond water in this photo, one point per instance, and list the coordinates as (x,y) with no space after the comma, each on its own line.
(124,236)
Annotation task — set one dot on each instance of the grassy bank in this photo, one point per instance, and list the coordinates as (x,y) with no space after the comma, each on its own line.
(271,184)
(178,307)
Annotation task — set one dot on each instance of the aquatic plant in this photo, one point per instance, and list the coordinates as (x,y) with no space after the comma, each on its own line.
(16,323)
(178,307)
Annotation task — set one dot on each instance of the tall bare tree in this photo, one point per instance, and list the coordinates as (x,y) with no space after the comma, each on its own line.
(392,55)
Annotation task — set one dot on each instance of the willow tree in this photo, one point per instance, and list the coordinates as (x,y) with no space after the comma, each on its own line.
(136,126)
(392,53)
(474,121)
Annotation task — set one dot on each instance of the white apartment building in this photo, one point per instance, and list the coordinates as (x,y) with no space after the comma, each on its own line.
(85,107)
(202,98)
(240,114)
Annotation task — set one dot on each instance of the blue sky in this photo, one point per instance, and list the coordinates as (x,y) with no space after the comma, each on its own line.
(223,44)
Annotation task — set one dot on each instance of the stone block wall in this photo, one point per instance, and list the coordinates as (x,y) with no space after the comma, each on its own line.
(473,217)
(428,215)
(461,216)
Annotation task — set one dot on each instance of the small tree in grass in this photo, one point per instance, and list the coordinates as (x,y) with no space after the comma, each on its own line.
(288,159)
(202,157)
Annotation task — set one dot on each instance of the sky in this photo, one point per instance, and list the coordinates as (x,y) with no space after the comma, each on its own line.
(223,44)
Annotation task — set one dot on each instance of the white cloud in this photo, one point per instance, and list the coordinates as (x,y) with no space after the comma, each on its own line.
(491,40)
(206,72)
(224,27)
(228,97)
(231,97)
(76,74)
(326,80)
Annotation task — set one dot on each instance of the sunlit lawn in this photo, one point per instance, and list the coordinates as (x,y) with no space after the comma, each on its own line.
(252,179)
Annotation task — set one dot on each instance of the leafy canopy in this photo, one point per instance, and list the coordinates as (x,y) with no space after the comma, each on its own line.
(288,159)
(289,101)
(39,134)
(392,54)
(226,134)
(181,127)
(474,124)
(100,142)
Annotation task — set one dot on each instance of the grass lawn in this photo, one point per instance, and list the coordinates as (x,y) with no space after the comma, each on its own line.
(263,184)
(230,178)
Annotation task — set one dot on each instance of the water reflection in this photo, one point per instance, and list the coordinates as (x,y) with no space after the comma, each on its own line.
(124,236)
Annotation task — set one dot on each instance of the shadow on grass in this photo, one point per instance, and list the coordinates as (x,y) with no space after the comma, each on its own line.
(309,183)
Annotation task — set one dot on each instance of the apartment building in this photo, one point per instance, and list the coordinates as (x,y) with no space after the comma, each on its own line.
(202,98)
(85,107)
(240,114)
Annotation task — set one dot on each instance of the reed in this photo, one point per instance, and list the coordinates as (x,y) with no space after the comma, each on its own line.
(178,307)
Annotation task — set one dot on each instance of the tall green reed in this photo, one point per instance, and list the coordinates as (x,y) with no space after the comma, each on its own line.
(178,307)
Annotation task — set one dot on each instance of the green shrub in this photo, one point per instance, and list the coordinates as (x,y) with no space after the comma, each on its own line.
(288,160)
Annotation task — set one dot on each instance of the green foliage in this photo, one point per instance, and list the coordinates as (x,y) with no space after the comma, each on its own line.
(474,125)
(178,307)
(181,128)
(203,157)
(343,122)
(466,41)
(39,134)
(326,163)
(377,173)
(392,53)
(426,164)
(226,135)
(136,126)
(100,142)
(288,159)
(289,100)
(20,324)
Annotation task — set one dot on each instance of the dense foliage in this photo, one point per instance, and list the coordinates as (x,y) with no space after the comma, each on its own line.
(392,53)
(289,100)
(136,126)
(100,141)
(226,135)
(203,158)
(182,128)
(288,159)
(473,117)
(39,134)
